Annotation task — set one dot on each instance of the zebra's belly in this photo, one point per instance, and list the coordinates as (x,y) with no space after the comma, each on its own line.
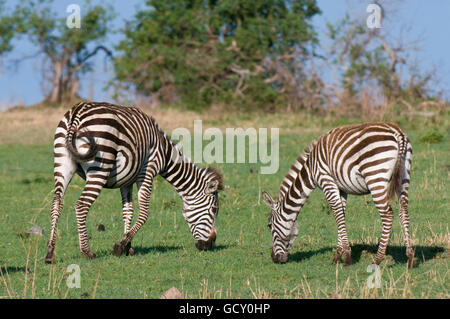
(123,172)
(355,186)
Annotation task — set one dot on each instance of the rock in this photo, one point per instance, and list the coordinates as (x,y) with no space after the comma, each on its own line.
(35,230)
(101,227)
(172,293)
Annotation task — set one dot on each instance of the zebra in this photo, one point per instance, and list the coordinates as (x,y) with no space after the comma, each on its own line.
(113,146)
(356,159)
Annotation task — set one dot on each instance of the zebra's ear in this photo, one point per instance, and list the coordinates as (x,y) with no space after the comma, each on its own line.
(268,199)
(179,145)
(212,187)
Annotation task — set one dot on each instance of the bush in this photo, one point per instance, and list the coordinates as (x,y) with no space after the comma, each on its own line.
(431,136)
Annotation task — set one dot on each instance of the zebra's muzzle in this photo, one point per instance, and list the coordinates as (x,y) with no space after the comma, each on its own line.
(206,244)
(279,258)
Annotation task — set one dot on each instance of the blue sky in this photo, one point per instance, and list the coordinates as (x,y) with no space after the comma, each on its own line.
(428,19)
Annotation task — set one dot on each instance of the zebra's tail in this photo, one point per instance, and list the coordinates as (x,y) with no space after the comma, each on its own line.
(397,176)
(72,134)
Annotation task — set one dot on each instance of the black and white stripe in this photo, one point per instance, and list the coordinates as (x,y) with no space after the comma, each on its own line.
(356,159)
(116,147)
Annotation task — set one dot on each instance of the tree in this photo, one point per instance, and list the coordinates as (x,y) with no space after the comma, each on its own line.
(376,58)
(198,52)
(7,29)
(68,51)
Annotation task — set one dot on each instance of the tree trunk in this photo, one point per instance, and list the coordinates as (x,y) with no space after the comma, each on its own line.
(74,86)
(57,83)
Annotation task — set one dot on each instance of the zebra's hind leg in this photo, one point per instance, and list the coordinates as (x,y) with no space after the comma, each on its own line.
(404,218)
(403,203)
(94,184)
(127,214)
(337,201)
(64,168)
(380,198)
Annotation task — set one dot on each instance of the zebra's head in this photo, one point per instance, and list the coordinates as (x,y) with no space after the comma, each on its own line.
(284,230)
(201,210)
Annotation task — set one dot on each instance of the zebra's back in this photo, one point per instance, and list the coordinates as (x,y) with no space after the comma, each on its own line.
(358,156)
(125,138)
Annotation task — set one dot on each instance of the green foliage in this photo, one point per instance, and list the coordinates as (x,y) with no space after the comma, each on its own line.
(356,52)
(371,60)
(67,50)
(46,29)
(7,29)
(431,136)
(199,52)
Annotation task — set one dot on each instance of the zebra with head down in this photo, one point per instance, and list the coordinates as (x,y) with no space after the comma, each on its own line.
(112,146)
(357,159)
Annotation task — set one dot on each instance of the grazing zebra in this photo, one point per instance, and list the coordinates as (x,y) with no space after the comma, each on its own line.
(355,159)
(114,147)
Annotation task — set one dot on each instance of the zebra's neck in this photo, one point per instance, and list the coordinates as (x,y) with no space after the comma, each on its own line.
(180,171)
(296,186)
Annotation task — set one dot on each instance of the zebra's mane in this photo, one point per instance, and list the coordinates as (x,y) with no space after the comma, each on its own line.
(288,181)
(216,176)
(308,149)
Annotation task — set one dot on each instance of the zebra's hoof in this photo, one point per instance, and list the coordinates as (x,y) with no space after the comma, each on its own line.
(90,255)
(130,252)
(411,263)
(118,249)
(348,260)
(50,259)
(410,255)
(337,259)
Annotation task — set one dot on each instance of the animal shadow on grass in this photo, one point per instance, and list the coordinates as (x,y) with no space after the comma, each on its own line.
(219,247)
(398,253)
(139,250)
(12,269)
(300,256)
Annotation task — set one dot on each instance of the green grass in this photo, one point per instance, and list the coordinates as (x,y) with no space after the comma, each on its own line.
(240,265)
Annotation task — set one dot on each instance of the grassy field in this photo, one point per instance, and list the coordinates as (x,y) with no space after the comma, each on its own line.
(240,265)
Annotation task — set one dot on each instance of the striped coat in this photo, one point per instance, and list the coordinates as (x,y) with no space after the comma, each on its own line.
(116,147)
(357,159)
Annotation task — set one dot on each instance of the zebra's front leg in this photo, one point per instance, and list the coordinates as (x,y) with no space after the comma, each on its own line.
(127,214)
(144,192)
(337,201)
